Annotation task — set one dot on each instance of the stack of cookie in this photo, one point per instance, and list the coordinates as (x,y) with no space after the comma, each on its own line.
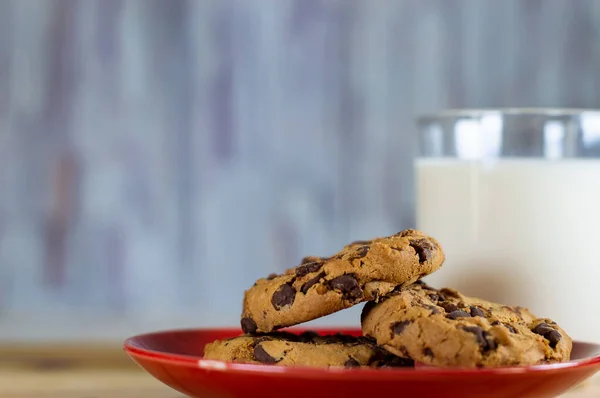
(404,320)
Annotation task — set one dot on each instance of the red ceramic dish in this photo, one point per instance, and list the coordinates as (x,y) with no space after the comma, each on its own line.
(175,358)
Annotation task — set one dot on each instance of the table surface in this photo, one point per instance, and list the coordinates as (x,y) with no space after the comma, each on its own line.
(129,384)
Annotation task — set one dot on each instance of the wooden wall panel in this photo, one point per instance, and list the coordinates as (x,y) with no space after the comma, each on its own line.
(157,156)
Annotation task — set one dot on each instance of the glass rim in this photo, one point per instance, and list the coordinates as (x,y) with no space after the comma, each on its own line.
(480,112)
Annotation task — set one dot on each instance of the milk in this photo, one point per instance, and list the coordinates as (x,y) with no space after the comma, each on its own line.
(523,232)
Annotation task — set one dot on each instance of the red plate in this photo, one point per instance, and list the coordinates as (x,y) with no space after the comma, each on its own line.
(175,358)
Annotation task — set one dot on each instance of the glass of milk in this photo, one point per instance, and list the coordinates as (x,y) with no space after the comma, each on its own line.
(513,195)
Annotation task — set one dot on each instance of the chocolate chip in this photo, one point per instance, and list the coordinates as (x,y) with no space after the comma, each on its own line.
(366,340)
(248,325)
(307,268)
(335,339)
(484,339)
(360,242)
(491,343)
(397,289)
(432,308)
(283,296)
(361,252)
(450,293)
(423,249)
(425,286)
(506,325)
(346,339)
(515,310)
(311,282)
(433,297)
(392,361)
(262,356)
(313,259)
(406,232)
(272,276)
(542,329)
(284,336)
(428,353)
(458,314)
(259,340)
(553,337)
(348,285)
(476,311)
(398,327)
(549,333)
(510,328)
(449,307)
(351,363)
(308,336)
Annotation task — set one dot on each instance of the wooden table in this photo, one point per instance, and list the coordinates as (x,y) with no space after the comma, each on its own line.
(82,384)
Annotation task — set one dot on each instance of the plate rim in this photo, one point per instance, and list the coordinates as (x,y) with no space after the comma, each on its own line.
(134,350)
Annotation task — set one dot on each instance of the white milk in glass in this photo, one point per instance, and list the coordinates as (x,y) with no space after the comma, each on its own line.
(518,231)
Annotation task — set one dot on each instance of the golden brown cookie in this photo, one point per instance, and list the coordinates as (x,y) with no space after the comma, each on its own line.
(362,271)
(306,349)
(445,328)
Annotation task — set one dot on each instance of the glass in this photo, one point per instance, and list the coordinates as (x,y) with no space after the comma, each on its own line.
(537,133)
(513,195)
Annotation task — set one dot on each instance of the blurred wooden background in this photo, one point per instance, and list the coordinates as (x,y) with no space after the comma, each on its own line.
(158,156)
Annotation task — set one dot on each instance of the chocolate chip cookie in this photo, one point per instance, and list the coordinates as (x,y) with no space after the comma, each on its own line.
(445,328)
(362,271)
(306,349)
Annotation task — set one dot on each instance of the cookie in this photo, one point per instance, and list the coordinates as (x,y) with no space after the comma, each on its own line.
(306,349)
(362,271)
(447,329)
